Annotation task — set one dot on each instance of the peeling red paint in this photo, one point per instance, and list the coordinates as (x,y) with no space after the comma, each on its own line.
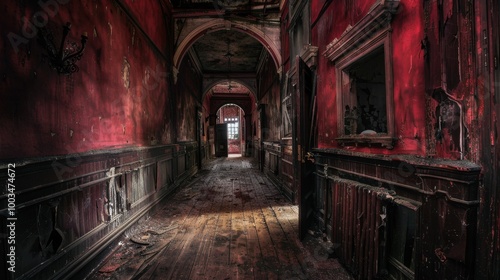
(444,98)
(151,16)
(408,63)
(41,108)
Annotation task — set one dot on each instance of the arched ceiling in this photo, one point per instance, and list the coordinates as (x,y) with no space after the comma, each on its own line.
(226,92)
(228,51)
(229,89)
(227,39)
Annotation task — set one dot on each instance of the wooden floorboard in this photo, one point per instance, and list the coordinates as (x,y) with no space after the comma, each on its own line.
(231,222)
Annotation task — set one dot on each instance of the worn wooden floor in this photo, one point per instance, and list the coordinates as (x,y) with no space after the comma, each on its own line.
(229,223)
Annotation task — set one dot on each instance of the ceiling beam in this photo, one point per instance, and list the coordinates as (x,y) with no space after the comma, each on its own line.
(262,59)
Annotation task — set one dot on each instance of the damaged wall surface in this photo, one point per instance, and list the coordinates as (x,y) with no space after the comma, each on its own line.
(377,117)
(111,102)
(82,144)
(407,65)
(436,81)
(429,75)
(69,209)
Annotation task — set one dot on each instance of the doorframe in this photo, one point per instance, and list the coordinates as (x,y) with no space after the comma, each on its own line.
(199,135)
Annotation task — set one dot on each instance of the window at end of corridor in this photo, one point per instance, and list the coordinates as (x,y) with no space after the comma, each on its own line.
(232,128)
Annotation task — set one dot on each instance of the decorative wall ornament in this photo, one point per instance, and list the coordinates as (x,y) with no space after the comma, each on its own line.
(64,58)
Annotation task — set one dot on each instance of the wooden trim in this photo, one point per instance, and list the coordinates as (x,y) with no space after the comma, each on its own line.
(389,84)
(464,175)
(384,141)
(94,170)
(310,56)
(383,39)
(344,60)
(379,17)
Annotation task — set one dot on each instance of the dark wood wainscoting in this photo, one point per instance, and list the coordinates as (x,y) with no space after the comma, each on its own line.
(398,216)
(71,208)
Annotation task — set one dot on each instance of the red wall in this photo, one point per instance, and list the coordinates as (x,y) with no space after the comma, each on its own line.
(188,98)
(118,98)
(149,15)
(408,74)
(408,63)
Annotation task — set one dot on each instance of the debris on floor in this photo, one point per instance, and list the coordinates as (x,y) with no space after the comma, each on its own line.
(224,225)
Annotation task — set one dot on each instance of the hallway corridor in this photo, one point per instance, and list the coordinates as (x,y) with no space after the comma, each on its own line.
(230,222)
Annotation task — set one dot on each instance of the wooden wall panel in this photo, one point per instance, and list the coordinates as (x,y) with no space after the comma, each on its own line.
(63,220)
(442,194)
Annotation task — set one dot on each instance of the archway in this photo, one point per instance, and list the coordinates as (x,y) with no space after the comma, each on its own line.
(220,95)
(245,83)
(222,24)
(232,117)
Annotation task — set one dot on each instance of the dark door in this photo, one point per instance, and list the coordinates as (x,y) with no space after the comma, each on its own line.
(221,140)
(304,180)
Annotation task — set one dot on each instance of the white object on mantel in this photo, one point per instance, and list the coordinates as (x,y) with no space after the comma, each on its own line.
(368,132)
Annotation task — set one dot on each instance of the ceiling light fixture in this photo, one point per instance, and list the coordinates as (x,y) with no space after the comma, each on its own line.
(228,55)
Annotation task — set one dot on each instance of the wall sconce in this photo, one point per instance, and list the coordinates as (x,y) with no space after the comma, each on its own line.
(63,59)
